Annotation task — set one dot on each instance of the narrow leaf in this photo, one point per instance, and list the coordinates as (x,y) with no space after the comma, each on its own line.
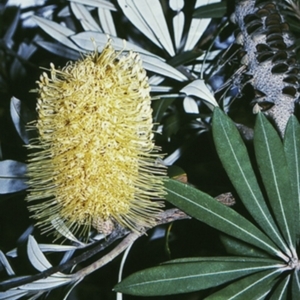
(12,294)
(292,156)
(175,278)
(280,292)
(160,106)
(57,31)
(106,21)
(178,21)
(45,248)
(238,247)
(199,89)
(158,66)
(175,155)
(61,227)
(178,25)
(36,256)
(295,285)
(97,3)
(251,287)
(25,51)
(149,18)
(273,169)
(50,282)
(176,5)
(150,62)
(69,289)
(197,28)
(160,89)
(221,259)
(15,281)
(85,17)
(156,80)
(85,41)
(21,116)
(235,159)
(171,125)
(64,12)
(190,105)
(185,58)
(12,176)
(214,10)
(206,209)
(10,31)
(59,50)
(56,248)
(4,262)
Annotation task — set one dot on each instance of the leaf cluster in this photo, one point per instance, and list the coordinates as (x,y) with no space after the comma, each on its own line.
(269,266)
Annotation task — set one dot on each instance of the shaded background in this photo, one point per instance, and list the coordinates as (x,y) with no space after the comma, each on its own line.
(20,60)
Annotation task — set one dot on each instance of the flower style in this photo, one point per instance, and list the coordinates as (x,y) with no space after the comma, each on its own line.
(94,162)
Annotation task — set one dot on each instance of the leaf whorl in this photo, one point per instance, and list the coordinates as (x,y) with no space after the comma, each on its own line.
(269,58)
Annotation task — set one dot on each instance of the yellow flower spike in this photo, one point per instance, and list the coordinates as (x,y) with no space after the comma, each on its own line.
(94,162)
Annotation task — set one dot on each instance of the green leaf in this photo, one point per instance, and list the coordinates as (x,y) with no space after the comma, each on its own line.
(235,159)
(206,209)
(183,277)
(273,169)
(295,285)
(172,124)
(176,172)
(292,156)
(237,247)
(255,286)
(185,57)
(214,10)
(221,259)
(280,291)
(293,24)
(160,106)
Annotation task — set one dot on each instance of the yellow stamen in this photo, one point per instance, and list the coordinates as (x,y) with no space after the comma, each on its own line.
(94,160)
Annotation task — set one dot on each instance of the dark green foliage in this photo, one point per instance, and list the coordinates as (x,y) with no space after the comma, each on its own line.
(254,273)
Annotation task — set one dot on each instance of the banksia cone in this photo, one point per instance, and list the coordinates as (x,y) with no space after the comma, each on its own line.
(270,60)
(94,162)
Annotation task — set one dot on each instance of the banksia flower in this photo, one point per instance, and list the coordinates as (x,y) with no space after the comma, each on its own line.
(94,162)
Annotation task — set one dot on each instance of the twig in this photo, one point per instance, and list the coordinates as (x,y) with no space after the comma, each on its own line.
(14,283)
(165,217)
